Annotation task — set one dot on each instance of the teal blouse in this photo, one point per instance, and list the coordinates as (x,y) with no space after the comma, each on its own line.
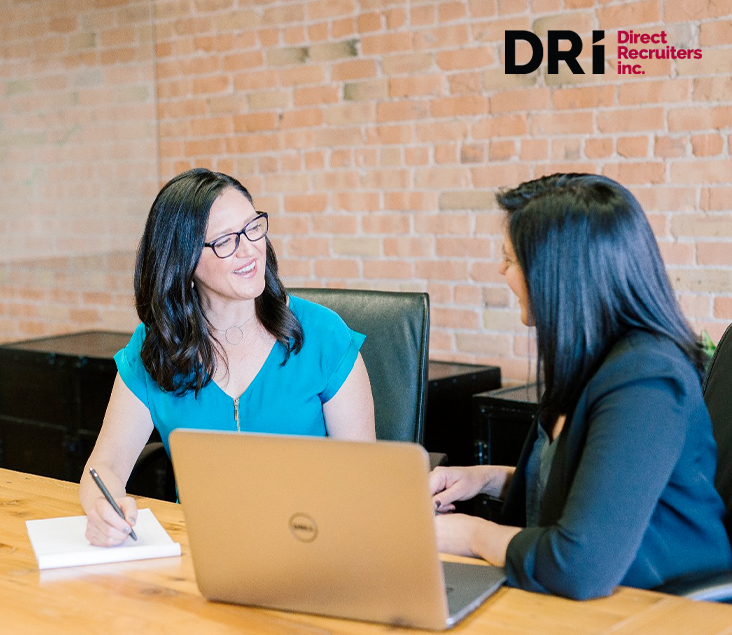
(281,399)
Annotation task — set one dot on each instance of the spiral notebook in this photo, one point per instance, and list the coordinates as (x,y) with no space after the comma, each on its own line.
(60,542)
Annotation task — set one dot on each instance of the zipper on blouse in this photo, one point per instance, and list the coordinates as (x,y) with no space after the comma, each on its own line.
(236,414)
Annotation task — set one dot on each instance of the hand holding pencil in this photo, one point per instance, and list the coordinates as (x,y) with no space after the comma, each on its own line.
(110,521)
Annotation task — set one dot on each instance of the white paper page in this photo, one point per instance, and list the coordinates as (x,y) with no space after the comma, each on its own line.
(60,542)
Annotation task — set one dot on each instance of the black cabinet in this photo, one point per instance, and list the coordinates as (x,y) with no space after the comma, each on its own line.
(501,422)
(448,422)
(53,396)
(502,419)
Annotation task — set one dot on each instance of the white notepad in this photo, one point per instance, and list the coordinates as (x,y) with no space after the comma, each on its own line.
(60,542)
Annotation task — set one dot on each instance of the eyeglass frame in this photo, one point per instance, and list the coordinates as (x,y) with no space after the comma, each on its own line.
(259,216)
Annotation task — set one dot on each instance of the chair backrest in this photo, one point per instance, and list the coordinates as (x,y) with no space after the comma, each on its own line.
(396,351)
(718,397)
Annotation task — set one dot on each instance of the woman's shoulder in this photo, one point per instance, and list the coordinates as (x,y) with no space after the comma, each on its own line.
(133,347)
(641,355)
(639,343)
(311,313)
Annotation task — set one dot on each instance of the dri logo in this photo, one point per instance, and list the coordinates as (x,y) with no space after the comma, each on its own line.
(554,54)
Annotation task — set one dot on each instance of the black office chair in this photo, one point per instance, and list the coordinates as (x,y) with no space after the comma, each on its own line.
(717,389)
(395,353)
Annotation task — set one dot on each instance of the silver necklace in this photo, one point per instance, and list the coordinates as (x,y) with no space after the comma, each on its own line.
(235,334)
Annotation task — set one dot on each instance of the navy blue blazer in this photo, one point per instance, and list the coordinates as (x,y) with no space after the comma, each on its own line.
(630,497)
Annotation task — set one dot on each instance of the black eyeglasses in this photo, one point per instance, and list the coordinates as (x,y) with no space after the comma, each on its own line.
(254,230)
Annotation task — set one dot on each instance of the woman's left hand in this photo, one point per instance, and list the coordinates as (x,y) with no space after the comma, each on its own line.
(456,533)
(464,535)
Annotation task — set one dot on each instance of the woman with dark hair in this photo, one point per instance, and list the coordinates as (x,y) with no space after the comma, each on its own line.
(221,345)
(615,484)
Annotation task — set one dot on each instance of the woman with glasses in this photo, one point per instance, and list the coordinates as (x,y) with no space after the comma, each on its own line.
(615,484)
(221,345)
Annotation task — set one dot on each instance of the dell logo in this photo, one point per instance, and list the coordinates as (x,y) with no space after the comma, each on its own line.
(303,527)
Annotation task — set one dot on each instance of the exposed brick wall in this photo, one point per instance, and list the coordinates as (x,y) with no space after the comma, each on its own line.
(78,138)
(78,161)
(376,132)
(67,294)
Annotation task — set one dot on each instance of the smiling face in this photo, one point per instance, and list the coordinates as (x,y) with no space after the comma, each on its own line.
(241,275)
(511,270)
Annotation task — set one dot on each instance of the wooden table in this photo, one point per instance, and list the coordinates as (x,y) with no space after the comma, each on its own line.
(151,597)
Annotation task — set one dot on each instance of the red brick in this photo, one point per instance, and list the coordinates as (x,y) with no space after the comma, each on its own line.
(675,253)
(294,35)
(652,91)
(395,269)
(631,120)
(631,14)
(306,246)
(449,11)
(369,22)
(705,145)
(520,101)
(716,199)
(633,147)
(446,153)
(402,110)
(714,253)
(723,310)
(343,28)
(560,123)
(410,201)
(442,270)
(318,32)
(629,173)
(323,9)
(473,153)
(315,95)
(385,179)
(423,15)
(395,19)
(457,247)
(669,147)
(712,88)
(303,75)
(465,83)
(353,69)
(442,177)
(502,150)
(416,156)
(459,106)
(306,203)
(346,268)
(387,43)
(383,223)
(450,36)
(412,86)
(701,171)
(456,318)
(583,97)
(410,63)
(598,147)
(691,10)
(255,122)
(465,58)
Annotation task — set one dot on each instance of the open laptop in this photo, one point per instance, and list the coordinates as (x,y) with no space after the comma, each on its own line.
(314,525)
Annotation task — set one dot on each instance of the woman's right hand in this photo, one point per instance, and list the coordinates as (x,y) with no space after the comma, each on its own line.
(105,527)
(449,484)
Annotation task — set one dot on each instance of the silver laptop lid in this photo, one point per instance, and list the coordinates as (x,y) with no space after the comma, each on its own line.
(340,528)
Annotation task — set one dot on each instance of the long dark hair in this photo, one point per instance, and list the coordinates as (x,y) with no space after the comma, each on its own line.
(593,272)
(179,350)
